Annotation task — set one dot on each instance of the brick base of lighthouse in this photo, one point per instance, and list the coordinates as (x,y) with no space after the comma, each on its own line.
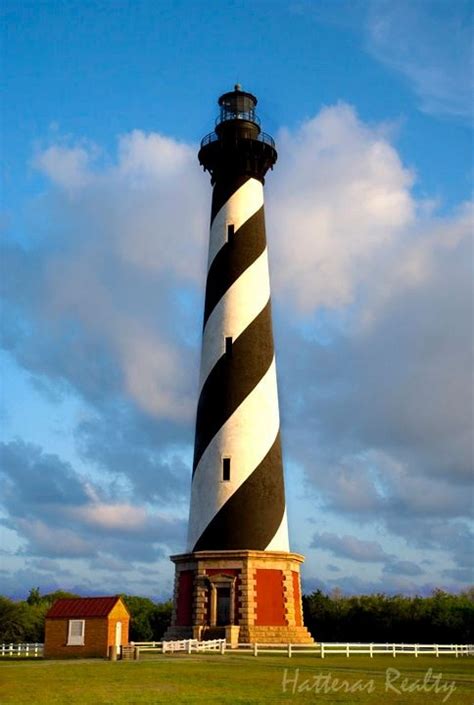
(244,596)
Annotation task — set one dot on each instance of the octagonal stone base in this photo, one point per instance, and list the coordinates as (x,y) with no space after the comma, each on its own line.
(244,596)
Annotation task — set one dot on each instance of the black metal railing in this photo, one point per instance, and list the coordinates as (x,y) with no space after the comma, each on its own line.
(261,137)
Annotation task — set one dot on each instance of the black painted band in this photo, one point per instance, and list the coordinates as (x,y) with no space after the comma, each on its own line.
(233,378)
(234,258)
(223,190)
(252,515)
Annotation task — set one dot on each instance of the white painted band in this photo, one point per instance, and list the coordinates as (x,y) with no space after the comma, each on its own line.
(280,542)
(241,206)
(246,437)
(236,310)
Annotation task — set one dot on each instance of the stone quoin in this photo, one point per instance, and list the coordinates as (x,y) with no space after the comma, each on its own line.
(238,577)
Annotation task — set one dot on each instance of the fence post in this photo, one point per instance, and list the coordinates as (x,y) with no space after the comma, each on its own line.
(322,650)
(11,650)
(347,650)
(188,646)
(255,649)
(289,650)
(457,651)
(223,648)
(371,651)
(416,650)
(137,653)
(394,651)
(437,650)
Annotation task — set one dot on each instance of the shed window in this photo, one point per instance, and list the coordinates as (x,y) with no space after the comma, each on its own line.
(226,469)
(75,635)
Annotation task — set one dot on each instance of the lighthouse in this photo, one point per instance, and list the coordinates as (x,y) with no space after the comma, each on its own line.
(238,578)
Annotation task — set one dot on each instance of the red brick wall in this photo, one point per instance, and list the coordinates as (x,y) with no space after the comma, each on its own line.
(270,609)
(184,607)
(297,598)
(95,639)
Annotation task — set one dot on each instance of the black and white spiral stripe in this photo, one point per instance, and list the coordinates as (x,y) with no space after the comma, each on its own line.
(237,414)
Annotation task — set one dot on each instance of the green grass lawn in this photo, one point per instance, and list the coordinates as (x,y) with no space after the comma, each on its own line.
(236,679)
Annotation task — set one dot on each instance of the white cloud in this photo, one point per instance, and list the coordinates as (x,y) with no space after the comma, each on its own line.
(112,516)
(422,256)
(153,155)
(67,167)
(350,547)
(53,541)
(426,42)
(160,381)
(127,238)
(339,198)
(430,44)
(59,513)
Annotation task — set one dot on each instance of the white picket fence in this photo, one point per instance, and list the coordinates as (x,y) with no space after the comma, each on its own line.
(321,649)
(324,649)
(396,649)
(26,650)
(187,645)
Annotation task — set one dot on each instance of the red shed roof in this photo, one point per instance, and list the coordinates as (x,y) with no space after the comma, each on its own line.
(82,607)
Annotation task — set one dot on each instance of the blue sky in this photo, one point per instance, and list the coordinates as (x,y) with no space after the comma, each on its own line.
(104,232)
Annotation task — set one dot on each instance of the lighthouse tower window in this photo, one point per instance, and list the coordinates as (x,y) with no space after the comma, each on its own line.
(226,469)
(228,346)
(230,233)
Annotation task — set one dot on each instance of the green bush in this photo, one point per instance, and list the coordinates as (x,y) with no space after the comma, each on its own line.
(440,618)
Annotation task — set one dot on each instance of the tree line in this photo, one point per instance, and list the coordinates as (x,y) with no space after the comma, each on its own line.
(23,621)
(440,618)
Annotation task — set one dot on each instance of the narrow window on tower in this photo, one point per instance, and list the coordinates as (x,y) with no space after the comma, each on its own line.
(226,469)
(228,346)
(230,233)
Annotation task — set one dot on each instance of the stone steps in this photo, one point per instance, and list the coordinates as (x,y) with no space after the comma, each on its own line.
(275,635)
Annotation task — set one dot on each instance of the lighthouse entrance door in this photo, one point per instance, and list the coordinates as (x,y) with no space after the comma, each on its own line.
(221,600)
(223,606)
